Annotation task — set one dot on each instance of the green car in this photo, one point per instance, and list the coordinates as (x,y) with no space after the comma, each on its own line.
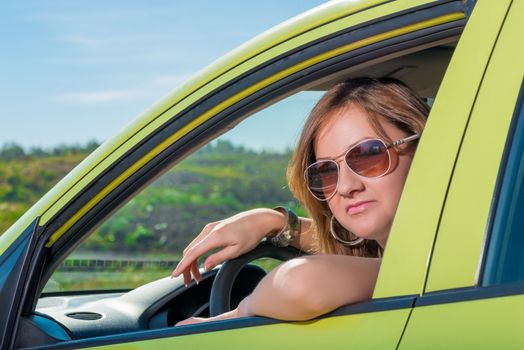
(453,272)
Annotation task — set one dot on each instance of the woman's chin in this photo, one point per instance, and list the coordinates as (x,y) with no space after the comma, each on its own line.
(368,230)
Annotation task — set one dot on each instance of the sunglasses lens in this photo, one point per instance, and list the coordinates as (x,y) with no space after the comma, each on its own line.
(322,178)
(369,158)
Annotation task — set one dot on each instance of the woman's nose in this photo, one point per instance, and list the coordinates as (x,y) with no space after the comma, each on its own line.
(348,181)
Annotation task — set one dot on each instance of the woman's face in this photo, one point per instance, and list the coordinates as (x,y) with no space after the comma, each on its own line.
(364,206)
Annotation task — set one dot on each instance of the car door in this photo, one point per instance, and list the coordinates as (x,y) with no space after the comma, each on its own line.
(338,42)
(473,295)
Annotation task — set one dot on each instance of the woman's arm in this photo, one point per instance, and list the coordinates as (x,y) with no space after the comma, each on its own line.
(235,236)
(306,287)
(305,239)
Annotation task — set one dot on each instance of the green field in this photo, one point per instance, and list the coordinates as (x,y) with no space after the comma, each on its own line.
(219,180)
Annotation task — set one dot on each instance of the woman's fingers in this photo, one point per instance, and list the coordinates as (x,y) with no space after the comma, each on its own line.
(187,276)
(202,235)
(229,234)
(191,320)
(191,255)
(226,315)
(219,257)
(196,272)
(213,260)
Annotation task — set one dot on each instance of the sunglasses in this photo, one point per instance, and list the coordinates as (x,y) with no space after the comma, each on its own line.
(368,158)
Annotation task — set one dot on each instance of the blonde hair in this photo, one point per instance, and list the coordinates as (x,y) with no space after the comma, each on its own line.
(385,98)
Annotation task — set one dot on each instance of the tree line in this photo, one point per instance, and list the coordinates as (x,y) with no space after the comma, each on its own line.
(11,151)
(219,180)
(27,174)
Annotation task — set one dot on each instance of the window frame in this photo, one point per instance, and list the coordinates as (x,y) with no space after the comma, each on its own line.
(502,196)
(457,261)
(209,129)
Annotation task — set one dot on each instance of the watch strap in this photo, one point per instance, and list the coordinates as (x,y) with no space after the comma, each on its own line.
(290,230)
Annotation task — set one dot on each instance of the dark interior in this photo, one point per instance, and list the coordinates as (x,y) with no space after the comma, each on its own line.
(420,67)
(159,304)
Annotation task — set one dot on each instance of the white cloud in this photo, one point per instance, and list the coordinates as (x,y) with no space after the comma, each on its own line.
(156,87)
(93,16)
(101,96)
(91,41)
(138,54)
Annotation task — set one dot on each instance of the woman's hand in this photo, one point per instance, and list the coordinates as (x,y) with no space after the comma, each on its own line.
(194,320)
(235,235)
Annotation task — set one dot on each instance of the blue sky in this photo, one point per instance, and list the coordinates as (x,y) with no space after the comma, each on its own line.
(73,71)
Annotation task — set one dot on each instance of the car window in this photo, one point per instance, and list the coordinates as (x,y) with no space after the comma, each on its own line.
(243,169)
(143,241)
(505,256)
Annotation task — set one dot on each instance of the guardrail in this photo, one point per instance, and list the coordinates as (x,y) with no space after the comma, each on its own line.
(94,265)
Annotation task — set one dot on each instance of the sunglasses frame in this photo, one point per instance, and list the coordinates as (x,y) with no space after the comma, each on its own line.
(344,155)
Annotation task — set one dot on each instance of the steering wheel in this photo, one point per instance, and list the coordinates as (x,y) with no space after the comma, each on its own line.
(220,299)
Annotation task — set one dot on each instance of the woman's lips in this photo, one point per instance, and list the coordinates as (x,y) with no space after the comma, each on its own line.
(358,207)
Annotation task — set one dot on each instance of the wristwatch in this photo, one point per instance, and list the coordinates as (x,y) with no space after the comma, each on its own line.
(289,231)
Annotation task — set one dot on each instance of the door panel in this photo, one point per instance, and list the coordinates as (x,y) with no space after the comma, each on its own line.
(458,249)
(328,333)
(493,323)
(417,219)
(456,312)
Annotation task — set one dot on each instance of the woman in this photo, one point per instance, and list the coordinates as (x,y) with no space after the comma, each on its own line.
(348,171)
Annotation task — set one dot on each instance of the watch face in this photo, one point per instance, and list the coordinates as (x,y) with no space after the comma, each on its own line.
(283,238)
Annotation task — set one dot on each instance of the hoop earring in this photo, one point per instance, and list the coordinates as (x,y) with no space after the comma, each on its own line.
(354,241)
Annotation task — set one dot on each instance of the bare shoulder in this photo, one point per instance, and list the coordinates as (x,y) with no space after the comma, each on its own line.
(322,283)
(342,263)
(312,285)
(334,270)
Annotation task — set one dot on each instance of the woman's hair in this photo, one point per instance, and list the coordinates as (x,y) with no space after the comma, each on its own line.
(385,99)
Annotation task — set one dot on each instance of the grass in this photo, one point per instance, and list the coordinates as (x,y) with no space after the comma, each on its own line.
(120,278)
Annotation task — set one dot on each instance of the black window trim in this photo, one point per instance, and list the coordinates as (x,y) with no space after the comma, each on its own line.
(469,294)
